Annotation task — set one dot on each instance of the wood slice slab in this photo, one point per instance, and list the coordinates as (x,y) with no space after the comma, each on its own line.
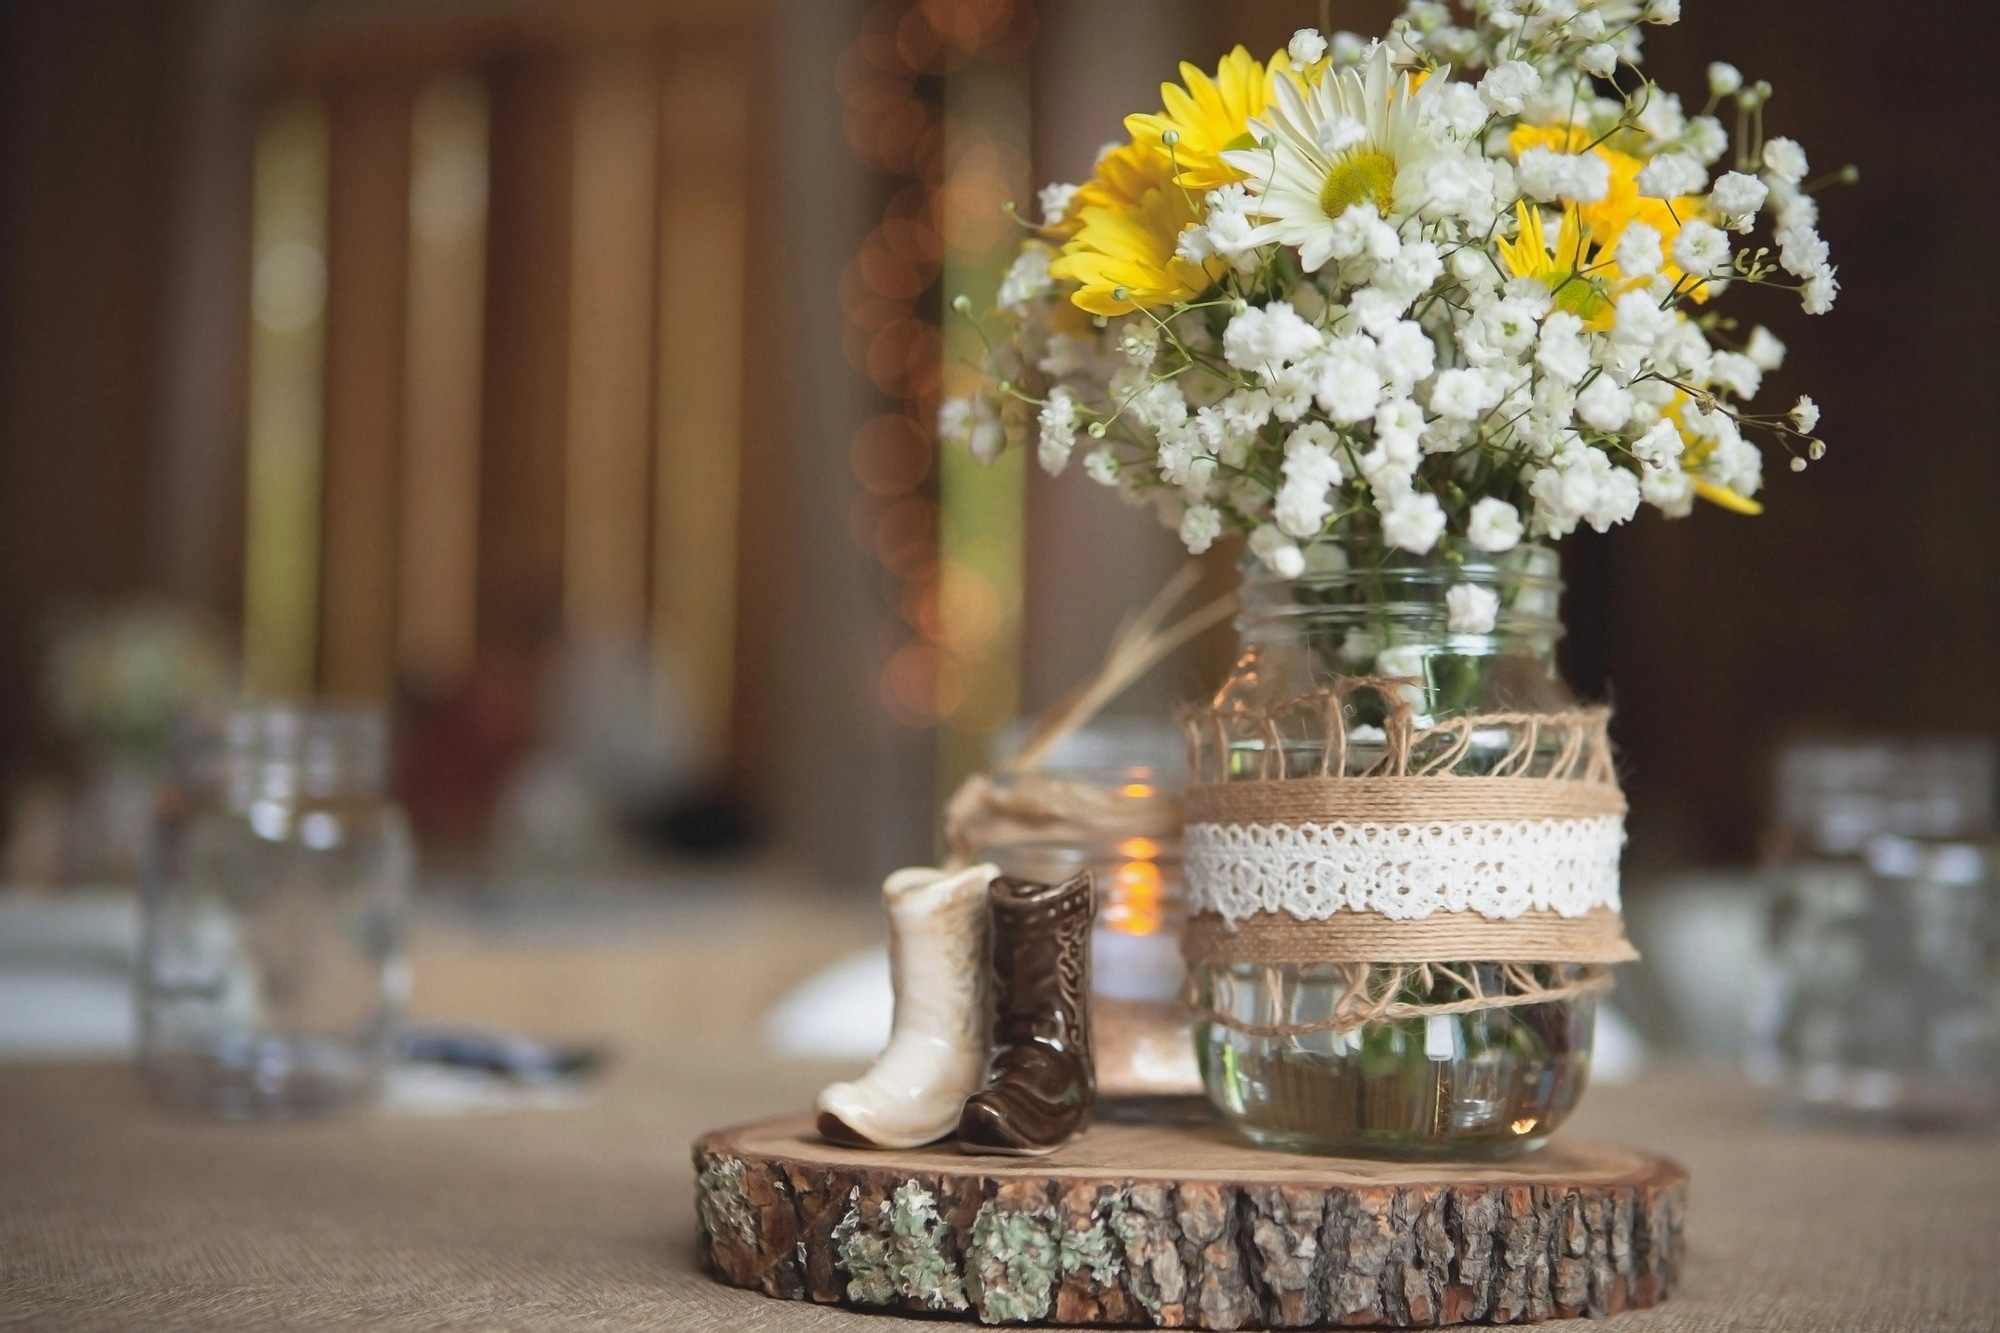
(1183,1225)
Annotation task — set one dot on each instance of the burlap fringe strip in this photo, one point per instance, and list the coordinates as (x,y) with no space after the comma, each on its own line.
(1582,748)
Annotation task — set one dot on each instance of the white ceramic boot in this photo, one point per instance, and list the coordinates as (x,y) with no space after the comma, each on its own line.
(937,1050)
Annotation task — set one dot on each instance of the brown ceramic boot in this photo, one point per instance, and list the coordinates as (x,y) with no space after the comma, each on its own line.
(1040,1083)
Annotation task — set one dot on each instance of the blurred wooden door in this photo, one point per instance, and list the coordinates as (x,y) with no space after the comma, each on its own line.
(531,231)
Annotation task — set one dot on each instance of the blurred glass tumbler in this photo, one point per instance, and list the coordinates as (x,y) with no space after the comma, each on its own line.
(1129,773)
(1882,1004)
(275,897)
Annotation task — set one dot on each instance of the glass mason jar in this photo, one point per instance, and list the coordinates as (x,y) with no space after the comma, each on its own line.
(1879,1005)
(1488,1084)
(275,896)
(1882,1006)
(1120,780)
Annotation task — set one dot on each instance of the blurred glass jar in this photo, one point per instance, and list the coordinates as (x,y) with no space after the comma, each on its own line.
(275,897)
(1835,795)
(1119,780)
(1881,999)
(1882,1004)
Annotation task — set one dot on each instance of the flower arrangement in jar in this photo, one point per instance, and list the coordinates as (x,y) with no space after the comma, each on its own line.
(1402,313)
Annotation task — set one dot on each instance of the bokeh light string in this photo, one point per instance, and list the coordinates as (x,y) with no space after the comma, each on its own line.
(944,182)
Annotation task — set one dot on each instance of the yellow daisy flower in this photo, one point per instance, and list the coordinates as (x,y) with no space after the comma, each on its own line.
(1123,257)
(1622,204)
(1208,116)
(1121,181)
(1578,271)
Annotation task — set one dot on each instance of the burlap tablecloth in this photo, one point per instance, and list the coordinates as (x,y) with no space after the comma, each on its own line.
(114,1215)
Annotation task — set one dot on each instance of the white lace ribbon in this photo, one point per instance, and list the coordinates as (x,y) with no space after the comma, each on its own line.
(1404,871)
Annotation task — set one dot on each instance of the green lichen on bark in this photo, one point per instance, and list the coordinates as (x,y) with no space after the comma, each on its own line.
(725,1210)
(902,1255)
(1096,1248)
(1013,1263)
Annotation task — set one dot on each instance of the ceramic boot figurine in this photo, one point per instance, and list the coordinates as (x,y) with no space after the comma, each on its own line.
(1040,1083)
(937,1049)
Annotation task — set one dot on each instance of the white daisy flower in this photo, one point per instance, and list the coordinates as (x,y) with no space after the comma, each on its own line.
(1357,138)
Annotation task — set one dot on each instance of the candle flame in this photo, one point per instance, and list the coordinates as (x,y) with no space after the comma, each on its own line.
(1134,907)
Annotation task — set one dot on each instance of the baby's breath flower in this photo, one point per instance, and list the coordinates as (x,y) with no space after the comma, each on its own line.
(1561,352)
(1267,337)
(1801,252)
(1276,551)
(1193,245)
(1310,470)
(1706,139)
(1701,249)
(1495,526)
(1661,117)
(1455,107)
(1737,197)
(1805,415)
(973,423)
(1659,446)
(1737,373)
(1458,186)
(954,423)
(1604,404)
(1199,528)
(1765,349)
(1671,175)
(1058,431)
(1360,231)
(1638,252)
(1405,354)
(1819,291)
(1639,320)
(1414,523)
(1583,177)
(1784,159)
(1411,271)
(1669,490)
(1055,199)
(1508,86)
(1027,278)
(1461,394)
(1292,392)
(1471,609)
(1306,46)
(1350,386)
(1724,78)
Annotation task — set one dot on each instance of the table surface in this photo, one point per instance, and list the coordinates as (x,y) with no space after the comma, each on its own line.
(114,1214)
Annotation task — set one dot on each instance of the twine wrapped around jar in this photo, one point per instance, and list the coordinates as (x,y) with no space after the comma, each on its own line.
(1403,863)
